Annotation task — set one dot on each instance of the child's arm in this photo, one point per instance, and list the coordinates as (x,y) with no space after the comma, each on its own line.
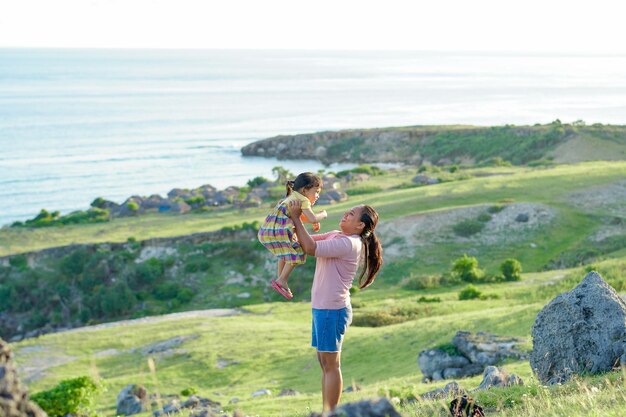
(312,217)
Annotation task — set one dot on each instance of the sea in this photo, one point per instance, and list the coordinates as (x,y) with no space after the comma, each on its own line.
(76,124)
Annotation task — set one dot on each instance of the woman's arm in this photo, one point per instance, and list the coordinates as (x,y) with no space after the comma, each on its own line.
(306,241)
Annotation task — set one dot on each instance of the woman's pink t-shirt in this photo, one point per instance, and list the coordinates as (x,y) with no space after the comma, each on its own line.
(337,260)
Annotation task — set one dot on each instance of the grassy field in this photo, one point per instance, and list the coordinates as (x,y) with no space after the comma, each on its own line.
(266,344)
(267,347)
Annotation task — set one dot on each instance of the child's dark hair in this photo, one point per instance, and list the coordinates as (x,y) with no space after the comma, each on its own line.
(373,249)
(304,181)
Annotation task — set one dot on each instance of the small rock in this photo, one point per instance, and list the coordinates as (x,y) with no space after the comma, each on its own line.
(452,389)
(287,392)
(498,377)
(522,218)
(352,388)
(261,392)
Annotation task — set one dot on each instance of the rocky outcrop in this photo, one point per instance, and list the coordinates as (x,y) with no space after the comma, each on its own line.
(580,331)
(475,352)
(452,389)
(197,405)
(131,400)
(498,377)
(14,400)
(492,377)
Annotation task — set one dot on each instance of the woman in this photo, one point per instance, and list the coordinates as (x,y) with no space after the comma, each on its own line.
(338,254)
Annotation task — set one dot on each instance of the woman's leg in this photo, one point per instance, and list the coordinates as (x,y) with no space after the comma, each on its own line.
(319,358)
(332,381)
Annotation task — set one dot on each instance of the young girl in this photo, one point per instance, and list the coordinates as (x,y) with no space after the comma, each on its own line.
(277,235)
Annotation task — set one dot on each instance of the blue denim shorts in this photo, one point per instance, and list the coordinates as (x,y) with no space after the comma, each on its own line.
(329,327)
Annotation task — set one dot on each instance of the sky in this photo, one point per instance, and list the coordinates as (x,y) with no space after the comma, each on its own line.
(543,26)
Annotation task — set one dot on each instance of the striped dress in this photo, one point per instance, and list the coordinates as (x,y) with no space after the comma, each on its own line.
(277,234)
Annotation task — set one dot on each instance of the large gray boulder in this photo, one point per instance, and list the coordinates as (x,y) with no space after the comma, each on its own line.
(14,400)
(368,408)
(583,330)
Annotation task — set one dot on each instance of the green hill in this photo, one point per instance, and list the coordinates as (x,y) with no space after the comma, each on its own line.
(575,220)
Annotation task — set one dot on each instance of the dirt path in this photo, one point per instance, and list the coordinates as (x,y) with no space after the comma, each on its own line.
(216,312)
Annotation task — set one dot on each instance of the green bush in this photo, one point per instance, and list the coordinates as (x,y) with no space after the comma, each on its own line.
(71,396)
(149,271)
(497,208)
(18,262)
(470,292)
(197,263)
(389,316)
(116,300)
(74,263)
(166,291)
(132,206)
(423,282)
(511,270)
(376,319)
(185,295)
(93,215)
(372,170)
(98,202)
(468,227)
(466,268)
(484,217)
(450,349)
(256,181)
(423,299)
(196,200)
(277,192)
(189,391)
(497,161)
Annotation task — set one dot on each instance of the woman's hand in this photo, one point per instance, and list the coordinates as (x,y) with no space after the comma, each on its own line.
(295,210)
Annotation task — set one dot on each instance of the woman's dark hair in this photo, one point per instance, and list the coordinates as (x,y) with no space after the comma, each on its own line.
(373,250)
(303,181)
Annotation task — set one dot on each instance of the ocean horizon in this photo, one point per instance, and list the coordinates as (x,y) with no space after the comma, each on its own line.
(76,124)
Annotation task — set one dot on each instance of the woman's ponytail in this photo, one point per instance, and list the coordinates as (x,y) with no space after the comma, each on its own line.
(373,250)
(289,187)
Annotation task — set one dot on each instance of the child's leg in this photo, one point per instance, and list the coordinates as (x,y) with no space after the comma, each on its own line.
(283,277)
(281,265)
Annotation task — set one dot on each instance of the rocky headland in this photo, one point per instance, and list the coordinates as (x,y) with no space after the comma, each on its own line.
(443,145)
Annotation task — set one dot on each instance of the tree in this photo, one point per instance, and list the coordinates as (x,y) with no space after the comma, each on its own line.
(282,174)
(511,270)
(466,268)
